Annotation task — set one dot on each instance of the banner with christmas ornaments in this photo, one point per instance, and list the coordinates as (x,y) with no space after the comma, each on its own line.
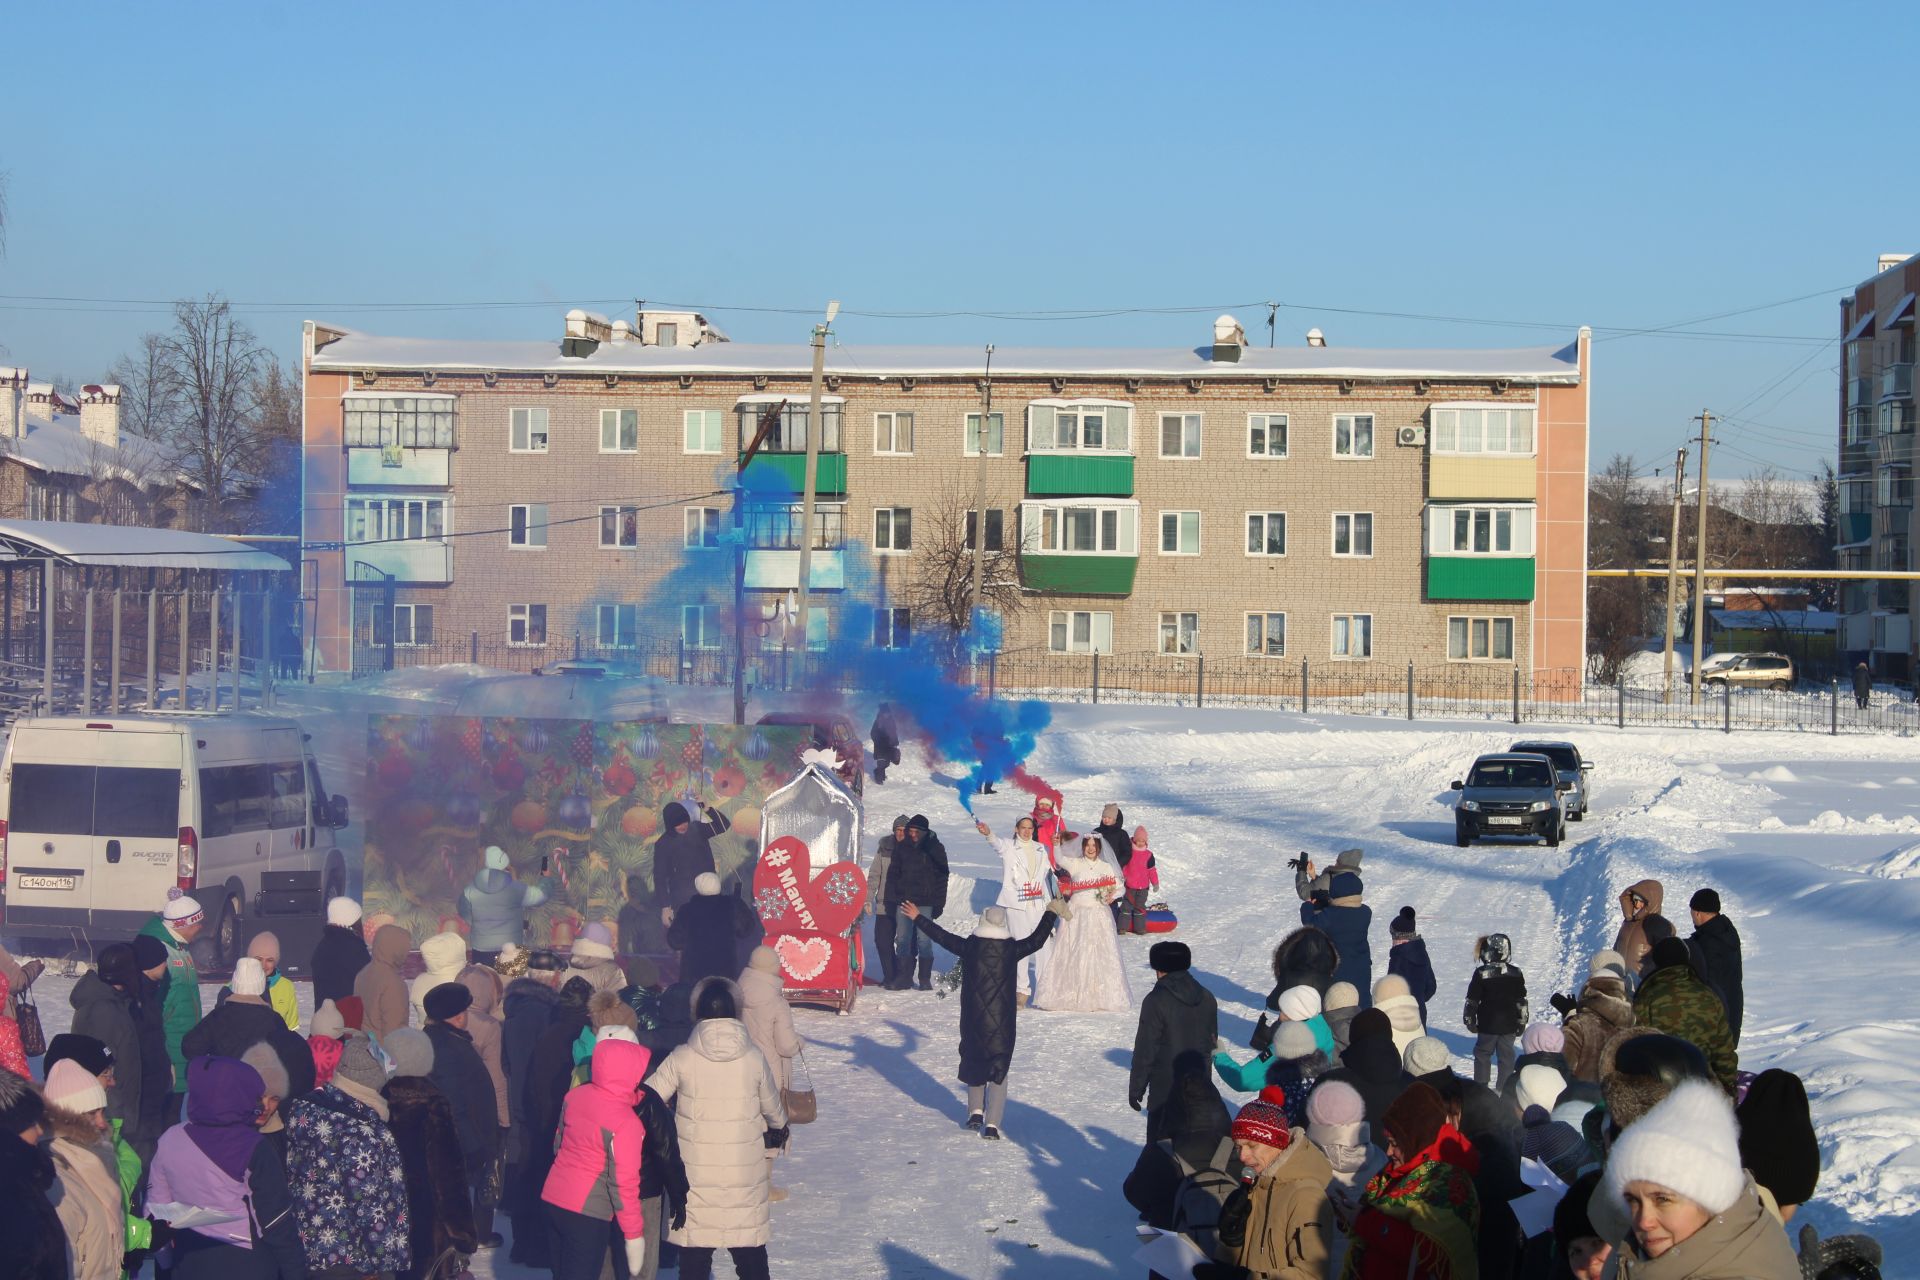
(574,804)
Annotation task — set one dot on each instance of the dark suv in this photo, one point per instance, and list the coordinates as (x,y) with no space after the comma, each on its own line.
(1510,794)
(1573,768)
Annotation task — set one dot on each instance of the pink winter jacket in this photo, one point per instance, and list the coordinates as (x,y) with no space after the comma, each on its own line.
(596,1170)
(1139,873)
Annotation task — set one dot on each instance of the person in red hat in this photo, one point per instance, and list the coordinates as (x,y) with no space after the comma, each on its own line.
(1420,1216)
(1278,1222)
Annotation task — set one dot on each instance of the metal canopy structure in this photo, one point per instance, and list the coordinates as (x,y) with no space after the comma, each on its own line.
(116,546)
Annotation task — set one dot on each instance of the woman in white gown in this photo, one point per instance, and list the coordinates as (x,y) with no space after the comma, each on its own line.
(1024,866)
(1083,972)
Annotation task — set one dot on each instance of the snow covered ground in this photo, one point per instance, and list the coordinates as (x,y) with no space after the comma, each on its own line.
(1813,843)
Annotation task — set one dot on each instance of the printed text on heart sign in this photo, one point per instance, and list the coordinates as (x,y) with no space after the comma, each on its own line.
(790,886)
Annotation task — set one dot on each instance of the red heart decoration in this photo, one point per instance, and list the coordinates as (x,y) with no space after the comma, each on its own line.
(791,899)
(803,959)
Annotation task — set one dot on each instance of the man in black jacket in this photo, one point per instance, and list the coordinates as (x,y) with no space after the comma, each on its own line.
(919,876)
(340,954)
(1716,953)
(239,1022)
(1178,1016)
(463,1078)
(682,854)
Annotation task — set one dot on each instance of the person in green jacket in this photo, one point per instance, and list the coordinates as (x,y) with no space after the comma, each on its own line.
(176,926)
(1675,999)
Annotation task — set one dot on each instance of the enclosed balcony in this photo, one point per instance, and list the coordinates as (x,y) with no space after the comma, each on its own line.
(1098,475)
(399,440)
(1079,548)
(1896,382)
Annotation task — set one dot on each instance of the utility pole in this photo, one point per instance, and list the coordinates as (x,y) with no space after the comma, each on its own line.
(814,428)
(1673,567)
(980,497)
(1705,420)
(769,419)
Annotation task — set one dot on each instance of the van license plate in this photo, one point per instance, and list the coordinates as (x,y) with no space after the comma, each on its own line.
(1503,822)
(47,882)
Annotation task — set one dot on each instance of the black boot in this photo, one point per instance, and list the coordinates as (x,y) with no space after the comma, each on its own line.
(926,973)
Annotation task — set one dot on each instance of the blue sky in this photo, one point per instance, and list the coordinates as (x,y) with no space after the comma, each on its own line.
(1625,165)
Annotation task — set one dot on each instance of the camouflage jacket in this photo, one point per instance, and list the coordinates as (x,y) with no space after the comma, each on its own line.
(1677,1001)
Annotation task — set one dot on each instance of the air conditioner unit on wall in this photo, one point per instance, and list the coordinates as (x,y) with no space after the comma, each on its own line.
(1411,437)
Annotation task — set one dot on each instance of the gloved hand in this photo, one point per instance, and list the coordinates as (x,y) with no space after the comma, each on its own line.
(1059,907)
(1219,1271)
(1564,1003)
(680,1216)
(1263,1034)
(636,1254)
(162,1234)
(1135,1103)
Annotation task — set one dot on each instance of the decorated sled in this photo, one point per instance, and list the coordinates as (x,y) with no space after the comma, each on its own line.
(1160,918)
(808,888)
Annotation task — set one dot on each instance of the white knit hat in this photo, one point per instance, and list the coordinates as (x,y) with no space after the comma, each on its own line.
(1607,963)
(1342,995)
(1294,1040)
(706,884)
(71,1087)
(343,913)
(1297,1004)
(1425,1055)
(1689,1143)
(249,977)
(327,1021)
(1539,1086)
(182,911)
(496,858)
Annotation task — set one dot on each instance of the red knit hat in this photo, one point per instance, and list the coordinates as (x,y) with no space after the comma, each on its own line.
(1264,1119)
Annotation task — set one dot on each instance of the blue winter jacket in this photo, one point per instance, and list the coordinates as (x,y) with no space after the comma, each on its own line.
(496,904)
(1409,960)
(1348,926)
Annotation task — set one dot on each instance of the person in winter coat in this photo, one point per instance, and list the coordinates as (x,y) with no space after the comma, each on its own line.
(638,926)
(1113,830)
(1292,1061)
(483,1025)
(1777,1142)
(991,960)
(1141,877)
(769,1023)
(239,1022)
(682,854)
(539,1038)
(708,931)
(1678,1001)
(91,1204)
(1337,1124)
(439,1202)
(496,904)
(1177,1016)
(1339,1007)
(154,1064)
(1392,997)
(725,1103)
(1637,902)
(103,1008)
(175,928)
(1862,685)
(1694,1211)
(919,876)
(1296,1004)
(1199,1136)
(1420,1215)
(468,1088)
(1278,1225)
(265,947)
(1309,880)
(217,1159)
(1603,1009)
(443,958)
(35,1240)
(593,1189)
(345,1172)
(1496,1008)
(1407,958)
(381,989)
(886,741)
(1024,864)
(1371,1067)
(1346,919)
(1307,957)
(879,906)
(663,1177)
(1716,952)
(1492,1128)
(592,958)
(526,1009)
(340,954)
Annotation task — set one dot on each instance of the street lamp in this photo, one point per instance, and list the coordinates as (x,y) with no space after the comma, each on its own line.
(814,427)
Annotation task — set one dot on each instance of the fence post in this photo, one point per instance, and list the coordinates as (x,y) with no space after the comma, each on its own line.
(1516,694)
(1409,691)
(473,647)
(1303,686)
(993,673)
(680,660)
(1726,706)
(1096,677)
(1834,730)
(576,646)
(1620,683)
(1200,682)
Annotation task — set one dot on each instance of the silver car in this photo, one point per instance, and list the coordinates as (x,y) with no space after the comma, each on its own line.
(1572,769)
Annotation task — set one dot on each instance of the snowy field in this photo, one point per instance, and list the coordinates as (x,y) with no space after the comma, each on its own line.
(1813,843)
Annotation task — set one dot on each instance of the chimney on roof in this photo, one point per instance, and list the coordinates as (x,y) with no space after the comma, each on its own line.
(1888,261)
(100,413)
(585,332)
(1315,338)
(13,402)
(1229,340)
(675,328)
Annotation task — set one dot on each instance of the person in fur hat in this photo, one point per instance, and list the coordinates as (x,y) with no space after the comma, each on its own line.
(1420,1216)
(1337,1124)
(1278,1222)
(1601,1010)
(1305,957)
(1407,958)
(1496,1009)
(707,932)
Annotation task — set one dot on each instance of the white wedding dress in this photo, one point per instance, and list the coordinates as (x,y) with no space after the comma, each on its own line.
(1083,972)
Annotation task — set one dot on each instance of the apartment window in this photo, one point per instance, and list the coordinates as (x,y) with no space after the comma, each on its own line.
(619,431)
(893,434)
(789,434)
(779,528)
(893,529)
(1480,639)
(526,625)
(1481,531)
(702,527)
(1353,435)
(996,529)
(395,519)
(529,431)
(1080,631)
(1266,435)
(619,526)
(1085,530)
(996,435)
(1481,429)
(1266,533)
(412,422)
(1179,435)
(1353,533)
(892,628)
(700,626)
(617,626)
(1352,636)
(700,431)
(666,334)
(1267,635)
(1179,533)
(527,525)
(412,625)
(1059,425)
(1179,633)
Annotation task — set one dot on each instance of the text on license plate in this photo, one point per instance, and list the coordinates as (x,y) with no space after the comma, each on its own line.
(1504,822)
(47,882)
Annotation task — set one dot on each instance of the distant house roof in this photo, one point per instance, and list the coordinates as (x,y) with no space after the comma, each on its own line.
(357,351)
(129,546)
(1813,621)
(60,447)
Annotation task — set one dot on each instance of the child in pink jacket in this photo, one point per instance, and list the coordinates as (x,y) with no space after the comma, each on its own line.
(1140,876)
(594,1186)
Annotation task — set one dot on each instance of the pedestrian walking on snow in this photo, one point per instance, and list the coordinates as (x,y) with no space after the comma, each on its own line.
(1496,1009)
(886,742)
(1177,1016)
(1862,685)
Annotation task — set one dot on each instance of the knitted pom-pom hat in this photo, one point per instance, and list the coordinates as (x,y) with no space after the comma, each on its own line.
(1264,1120)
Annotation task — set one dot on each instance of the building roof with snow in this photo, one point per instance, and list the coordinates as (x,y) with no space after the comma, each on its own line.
(57,445)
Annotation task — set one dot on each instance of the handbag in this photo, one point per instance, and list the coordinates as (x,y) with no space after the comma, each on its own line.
(33,1037)
(803,1106)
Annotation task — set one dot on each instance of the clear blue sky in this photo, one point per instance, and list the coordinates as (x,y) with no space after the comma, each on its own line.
(1618,165)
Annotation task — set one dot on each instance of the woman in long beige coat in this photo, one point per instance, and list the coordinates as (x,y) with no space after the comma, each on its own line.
(769,1022)
(91,1205)
(725,1102)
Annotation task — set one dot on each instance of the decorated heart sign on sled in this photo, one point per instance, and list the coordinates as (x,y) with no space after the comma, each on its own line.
(808,890)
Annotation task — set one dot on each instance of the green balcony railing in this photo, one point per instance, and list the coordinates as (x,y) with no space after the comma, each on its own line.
(1080,475)
(1079,575)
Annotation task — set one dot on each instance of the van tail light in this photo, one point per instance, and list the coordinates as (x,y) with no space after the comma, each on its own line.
(186,866)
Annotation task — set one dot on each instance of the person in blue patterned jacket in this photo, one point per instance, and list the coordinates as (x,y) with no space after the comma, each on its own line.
(343,1167)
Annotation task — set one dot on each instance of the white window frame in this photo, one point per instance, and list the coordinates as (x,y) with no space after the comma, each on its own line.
(1486,623)
(1449,430)
(694,524)
(544,435)
(1266,519)
(530,527)
(524,614)
(1352,421)
(716,418)
(383,509)
(1160,542)
(1175,618)
(1199,436)
(1033,527)
(1333,636)
(413,640)
(1522,525)
(1286,434)
(1116,420)
(708,618)
(892,521)
(615,416)
(969,426)
(895,419)
(627,637)
(1266,617)
(1352,518)
(620,512)
(888,618)
(1066,622)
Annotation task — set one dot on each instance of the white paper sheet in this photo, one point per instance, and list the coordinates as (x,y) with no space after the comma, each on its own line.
(185,1217)
(1170,1255)
(1535,1209)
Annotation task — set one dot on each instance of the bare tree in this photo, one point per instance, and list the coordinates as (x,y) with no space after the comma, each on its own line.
(149,390)
(1621,529)
(215,436)
(940,590)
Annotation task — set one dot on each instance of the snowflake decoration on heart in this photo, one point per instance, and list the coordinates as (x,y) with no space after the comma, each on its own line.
(841,889)
(770,901)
